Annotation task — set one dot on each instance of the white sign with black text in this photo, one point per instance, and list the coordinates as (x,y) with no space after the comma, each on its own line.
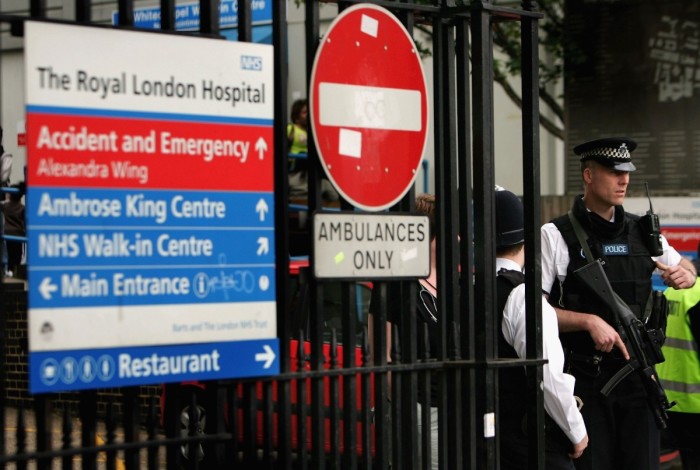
(350,245)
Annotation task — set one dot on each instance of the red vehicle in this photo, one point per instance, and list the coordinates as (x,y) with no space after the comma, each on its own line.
(299,310)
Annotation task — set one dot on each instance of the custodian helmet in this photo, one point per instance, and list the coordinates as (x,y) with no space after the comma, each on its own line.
(510,225)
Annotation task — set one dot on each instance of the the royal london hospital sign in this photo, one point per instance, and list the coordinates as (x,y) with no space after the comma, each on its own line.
(149,208)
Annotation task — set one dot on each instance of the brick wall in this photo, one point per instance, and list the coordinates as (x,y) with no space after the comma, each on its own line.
(16,387)
(14,310)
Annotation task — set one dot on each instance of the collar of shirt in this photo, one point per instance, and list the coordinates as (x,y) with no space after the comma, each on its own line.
(509,264)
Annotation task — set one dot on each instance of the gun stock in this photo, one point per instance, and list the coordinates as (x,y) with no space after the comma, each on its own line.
(633,334)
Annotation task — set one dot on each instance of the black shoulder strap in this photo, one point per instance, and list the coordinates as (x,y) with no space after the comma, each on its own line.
(582,237)
(513,277)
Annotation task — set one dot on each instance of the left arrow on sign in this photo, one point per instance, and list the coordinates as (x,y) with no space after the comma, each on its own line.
(268,356)
(47,288)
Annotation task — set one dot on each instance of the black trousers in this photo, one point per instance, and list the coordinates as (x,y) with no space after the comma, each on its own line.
(685,431)
(621,428)
(515,447)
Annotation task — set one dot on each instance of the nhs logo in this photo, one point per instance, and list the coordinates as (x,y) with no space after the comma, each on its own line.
(251,62)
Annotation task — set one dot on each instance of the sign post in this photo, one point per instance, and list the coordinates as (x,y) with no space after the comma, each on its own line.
(149,202)
(369,107)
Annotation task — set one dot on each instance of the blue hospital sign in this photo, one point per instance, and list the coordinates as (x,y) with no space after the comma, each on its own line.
(149,206)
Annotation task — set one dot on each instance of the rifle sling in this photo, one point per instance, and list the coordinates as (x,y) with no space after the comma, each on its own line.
(582,237)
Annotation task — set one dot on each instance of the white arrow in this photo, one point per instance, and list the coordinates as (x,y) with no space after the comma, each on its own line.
(47,288)
(261,208)
(261,147)
(268,356)
(263,246)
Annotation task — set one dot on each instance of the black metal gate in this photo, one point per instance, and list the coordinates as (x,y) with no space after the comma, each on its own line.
(332,406)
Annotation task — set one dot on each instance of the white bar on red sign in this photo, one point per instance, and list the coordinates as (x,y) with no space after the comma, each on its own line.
(369,107)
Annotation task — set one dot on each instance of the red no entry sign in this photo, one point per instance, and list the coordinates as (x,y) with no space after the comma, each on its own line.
(369,107)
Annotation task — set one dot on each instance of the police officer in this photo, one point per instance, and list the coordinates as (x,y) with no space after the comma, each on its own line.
(680,373)
(621,427)
(565,431)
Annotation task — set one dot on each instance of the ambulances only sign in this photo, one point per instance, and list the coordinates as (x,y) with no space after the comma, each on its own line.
(351,245)
(149,202)
(369,107)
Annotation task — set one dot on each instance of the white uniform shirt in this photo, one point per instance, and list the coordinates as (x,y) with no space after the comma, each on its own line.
(555,256)
(559,402)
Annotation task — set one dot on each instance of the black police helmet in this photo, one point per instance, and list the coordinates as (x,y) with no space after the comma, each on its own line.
(510,224)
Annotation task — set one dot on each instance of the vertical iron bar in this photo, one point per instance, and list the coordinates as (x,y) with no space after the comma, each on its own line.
(214,402)
(381,382)
(466,221)
(250,425)
(408,326)
(21,437)
(110,426)
(316,289)
(151,423)
(209,17)
(425,379)
(485,266)
(332,384)
(233,424)
(67,438)
(4,312)
(126,12)
(448,216)
(311,39)
(367,416)
(397,425)
(350,312)
(167,15)
(284,329)
(193,445)
(131,419)
(37,8)
(268,424)
(409,331)
(82,11)
(87,408)
(302,451)
(171,422)
(43,416)
(533,266)
(245,22)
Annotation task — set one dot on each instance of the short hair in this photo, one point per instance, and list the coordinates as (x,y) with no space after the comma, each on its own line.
(511,250)
(297,106)
(425,205)
(586,164)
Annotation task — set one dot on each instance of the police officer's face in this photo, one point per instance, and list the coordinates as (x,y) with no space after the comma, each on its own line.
(605,184)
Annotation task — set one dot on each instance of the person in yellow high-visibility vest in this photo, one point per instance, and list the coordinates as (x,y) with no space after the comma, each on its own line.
(680,373)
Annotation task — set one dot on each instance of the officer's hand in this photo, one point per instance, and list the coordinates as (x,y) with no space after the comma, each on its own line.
(676,276)
(579,448)
(605,337)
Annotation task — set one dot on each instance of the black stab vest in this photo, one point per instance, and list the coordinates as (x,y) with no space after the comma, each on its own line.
(512,381)
(628,269)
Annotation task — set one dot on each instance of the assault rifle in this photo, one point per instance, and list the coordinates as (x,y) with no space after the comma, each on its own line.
(644,346)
